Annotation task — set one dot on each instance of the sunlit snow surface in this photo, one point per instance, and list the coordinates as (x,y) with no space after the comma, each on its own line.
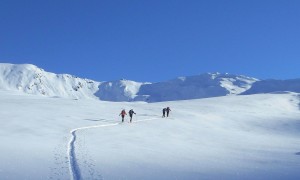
(232,137)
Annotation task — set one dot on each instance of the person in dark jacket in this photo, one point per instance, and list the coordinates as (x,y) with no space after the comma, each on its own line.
(131,112)
(168,111)
(164,112)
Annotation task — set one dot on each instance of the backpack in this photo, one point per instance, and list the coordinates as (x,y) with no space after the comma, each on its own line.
(123,112)
(131,112)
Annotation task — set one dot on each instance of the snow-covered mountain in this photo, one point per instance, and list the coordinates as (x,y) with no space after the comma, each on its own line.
(190,87)
(121,90)
(272,85)
(33,80)
(232,137)
(30,79)
(195,87)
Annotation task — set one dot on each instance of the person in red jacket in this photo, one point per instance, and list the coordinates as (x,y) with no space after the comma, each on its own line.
(123,114)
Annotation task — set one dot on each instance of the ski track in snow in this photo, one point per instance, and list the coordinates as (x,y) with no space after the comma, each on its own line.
(73,164)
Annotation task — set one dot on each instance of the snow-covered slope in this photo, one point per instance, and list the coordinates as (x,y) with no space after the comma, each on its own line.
(122,90)
(195,87)
(232,137)
(267,86)
(33,80)
(190,87)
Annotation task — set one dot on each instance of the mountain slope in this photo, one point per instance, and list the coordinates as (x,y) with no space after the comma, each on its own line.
(190,87)
(33,80)
(195,87)
(272,85)
(122,90)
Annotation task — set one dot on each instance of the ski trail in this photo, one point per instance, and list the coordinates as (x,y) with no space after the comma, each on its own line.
(73,164)
(74,168)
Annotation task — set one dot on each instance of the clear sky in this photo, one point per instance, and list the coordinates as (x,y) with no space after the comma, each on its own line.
(153,40)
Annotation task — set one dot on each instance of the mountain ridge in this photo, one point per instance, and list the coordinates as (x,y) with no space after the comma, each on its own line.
(31,79)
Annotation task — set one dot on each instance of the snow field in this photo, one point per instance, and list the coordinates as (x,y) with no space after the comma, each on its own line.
(233,137)
(230,138)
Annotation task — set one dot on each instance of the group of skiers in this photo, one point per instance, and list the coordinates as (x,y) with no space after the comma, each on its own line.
(131,112)
(166,110)
(123,114)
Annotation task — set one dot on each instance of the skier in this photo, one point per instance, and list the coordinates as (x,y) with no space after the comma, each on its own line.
(131,112)
(168,111)
(164,112)
(123,113)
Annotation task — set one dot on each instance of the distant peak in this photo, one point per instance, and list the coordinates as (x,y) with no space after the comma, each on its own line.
(20,66)
(182,78)
(214,75)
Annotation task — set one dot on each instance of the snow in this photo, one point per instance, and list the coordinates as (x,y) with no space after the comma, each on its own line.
(230,137)
(122,90)
(195,87)
(237,85)
(272,85)
(30,79)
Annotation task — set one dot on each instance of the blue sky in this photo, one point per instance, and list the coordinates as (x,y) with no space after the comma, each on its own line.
(153,40)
